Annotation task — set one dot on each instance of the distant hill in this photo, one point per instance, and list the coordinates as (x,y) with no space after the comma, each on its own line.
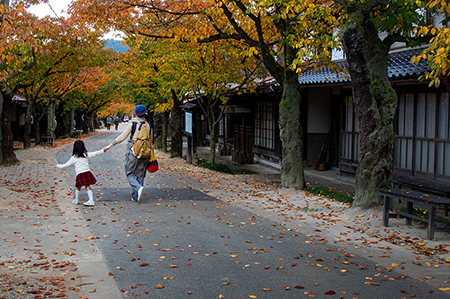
(116,45)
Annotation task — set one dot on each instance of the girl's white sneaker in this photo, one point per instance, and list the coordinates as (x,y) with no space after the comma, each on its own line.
(75,202)
(89,203)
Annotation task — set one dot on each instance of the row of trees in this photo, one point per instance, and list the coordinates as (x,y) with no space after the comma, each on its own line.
(288,37)
(205,48)
(56,65)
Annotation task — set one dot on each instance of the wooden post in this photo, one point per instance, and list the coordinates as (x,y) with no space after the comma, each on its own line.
(386,210)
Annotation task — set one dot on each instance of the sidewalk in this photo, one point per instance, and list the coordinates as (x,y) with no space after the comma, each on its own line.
(46,248)
(329,178)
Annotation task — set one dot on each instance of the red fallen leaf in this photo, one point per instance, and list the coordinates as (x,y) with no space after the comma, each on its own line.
(226,283)
(88,219)
(144,264)
(62,295)
(330,293)
(34,292)
(93,291)
(268,267)
(215,252)
(294,264)
(133,259)
(299,287)
(189,264)
(320,260)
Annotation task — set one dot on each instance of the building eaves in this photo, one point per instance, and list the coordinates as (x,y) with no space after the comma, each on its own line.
(399,67)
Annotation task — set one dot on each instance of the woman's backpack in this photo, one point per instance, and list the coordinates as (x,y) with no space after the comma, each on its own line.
(141,147)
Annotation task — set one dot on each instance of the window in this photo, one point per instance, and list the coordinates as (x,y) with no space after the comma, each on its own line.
(422,141)
(350,133)
(265,125)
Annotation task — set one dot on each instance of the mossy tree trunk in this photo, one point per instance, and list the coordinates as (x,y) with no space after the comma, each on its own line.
(375,101)
(292,172)
(165,130)
(27,126)
(210,106)
(9,157)
(157,130)
(176,116)
(212,146)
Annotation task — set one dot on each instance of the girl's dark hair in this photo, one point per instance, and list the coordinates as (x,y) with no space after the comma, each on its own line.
(79,150)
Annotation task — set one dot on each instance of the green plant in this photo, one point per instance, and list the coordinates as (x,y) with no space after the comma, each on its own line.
(215,166)
(324,191)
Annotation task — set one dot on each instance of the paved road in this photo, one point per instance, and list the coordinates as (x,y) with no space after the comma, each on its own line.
(182,243)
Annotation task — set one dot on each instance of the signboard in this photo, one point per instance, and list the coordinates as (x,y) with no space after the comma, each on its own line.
(188,122)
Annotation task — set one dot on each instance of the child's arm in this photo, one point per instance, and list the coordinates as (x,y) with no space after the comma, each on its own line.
(68,163)
(96,153)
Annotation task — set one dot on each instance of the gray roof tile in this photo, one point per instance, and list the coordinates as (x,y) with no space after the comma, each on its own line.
(399,67)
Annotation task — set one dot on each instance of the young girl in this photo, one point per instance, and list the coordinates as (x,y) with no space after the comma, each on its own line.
(80,157)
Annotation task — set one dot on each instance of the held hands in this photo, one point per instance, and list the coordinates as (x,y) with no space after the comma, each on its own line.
(107,147)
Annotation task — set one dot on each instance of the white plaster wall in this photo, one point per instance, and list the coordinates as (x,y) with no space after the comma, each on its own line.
(319,110)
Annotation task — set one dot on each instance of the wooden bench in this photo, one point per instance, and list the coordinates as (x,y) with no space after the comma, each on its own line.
(77,133)
(425,186)
(432,202)
(47,140)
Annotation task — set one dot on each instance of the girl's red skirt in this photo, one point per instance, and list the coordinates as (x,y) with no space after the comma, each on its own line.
(85,179)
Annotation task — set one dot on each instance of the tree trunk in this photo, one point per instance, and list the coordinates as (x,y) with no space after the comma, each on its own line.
(27,126)
(176,146)
(212,146)
(292,173)
(50,115)
(376,102)
(157,130)
(37,129)
(9,157)
(164,131)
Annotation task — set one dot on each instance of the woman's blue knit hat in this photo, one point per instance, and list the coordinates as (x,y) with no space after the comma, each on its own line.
(140,110)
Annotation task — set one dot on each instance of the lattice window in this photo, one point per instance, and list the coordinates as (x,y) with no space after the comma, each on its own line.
(422,141)
(265,125)
(350,133)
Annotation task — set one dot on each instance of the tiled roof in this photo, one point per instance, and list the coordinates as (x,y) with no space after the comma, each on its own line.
(399,66)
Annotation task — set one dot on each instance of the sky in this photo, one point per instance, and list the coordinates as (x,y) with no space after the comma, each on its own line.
(60,8)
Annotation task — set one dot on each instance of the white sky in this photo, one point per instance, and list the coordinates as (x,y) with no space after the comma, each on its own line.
(60,8)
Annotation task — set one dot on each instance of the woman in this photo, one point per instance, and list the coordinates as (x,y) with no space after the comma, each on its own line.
(135,169)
